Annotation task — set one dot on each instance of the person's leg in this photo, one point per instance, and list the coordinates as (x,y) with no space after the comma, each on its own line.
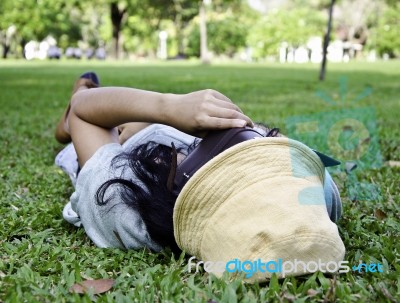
(88,81)
(62,131)
(127,130)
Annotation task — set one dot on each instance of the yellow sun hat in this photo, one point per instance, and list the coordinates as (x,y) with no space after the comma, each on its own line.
(261,199)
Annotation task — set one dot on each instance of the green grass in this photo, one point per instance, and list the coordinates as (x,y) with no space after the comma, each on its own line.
(42,256)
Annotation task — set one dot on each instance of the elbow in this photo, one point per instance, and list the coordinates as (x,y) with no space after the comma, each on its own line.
(76,103)
(75,100)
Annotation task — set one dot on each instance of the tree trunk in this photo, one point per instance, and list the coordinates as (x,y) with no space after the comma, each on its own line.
(179,37)
(22,44)
(179,28)
(203,35)
(6,49)
(116,20)
(326,42)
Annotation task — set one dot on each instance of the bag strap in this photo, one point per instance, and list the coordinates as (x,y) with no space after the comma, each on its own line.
(213,144)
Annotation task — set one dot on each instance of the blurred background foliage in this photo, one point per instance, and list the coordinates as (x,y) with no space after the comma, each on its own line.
(129,28)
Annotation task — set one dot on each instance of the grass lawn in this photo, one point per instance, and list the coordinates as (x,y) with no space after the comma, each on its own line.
(42,255)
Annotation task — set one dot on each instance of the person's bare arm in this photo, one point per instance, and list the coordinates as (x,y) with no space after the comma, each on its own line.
(95,114)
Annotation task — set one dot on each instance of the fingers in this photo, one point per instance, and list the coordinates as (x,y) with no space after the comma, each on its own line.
(230,114)
(225,104)
(216,96)
(216,111)
(227,112)
(219,95)
(225,109)
(222,123)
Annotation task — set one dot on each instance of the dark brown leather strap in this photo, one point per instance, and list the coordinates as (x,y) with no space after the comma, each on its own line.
(212,145)
(172,172)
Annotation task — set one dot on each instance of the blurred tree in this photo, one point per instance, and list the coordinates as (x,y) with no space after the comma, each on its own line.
(140,30)
(35,20)
(96,24)
(371,23)
(388,32)
(267,6)
(375,24)
(225,36)
(293,26)
(126,17)
(392,3)
(181,12)
(135,25)
(144,18)
(118,10)
(204,54)
(22,16)
(354,18)
(141,35)
(227,28)
(145,22)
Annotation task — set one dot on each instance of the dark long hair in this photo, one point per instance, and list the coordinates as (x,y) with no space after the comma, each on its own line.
(149,194)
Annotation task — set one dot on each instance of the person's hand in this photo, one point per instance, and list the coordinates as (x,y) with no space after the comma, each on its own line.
(198,112)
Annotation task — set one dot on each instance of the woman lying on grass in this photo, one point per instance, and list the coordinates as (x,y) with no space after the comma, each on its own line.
(125,140)
(102,123)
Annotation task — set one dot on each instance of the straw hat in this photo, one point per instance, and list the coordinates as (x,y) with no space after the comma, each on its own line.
(261,199)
